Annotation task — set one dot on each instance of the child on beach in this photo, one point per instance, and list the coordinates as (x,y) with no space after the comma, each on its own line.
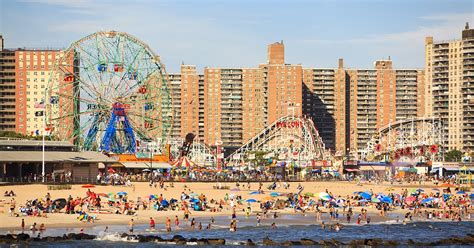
(152,223)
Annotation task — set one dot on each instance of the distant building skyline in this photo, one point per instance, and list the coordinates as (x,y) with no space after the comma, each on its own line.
(233,33)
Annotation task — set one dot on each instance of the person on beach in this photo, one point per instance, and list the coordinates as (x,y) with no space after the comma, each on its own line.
(42,228)
(259,219)
(12,207)
(168,225)
(233,226)
(22,225)
(358,219)
(234,216)
(131,224)
(323,226)
(193,223)
(199,226)
(186,215)
(152,223)
(274,225)
(176,221)
(33,228)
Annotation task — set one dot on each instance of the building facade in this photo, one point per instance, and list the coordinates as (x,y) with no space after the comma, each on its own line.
(7,88)
(32,75)
(449,77)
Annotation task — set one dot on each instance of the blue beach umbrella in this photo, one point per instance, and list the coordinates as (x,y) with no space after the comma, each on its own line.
(274,194)
(165,203)
(254,193)
(427,200)
(194,200)
(251,200)
(471,196)
(461,192)
(365,195)
(122,193)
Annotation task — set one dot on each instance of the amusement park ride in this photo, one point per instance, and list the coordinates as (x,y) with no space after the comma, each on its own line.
(408,140)
(109,93)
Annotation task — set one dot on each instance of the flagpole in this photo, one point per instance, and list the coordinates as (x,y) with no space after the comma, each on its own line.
(44,129)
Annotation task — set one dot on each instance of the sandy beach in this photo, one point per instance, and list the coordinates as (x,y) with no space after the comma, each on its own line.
(31,192)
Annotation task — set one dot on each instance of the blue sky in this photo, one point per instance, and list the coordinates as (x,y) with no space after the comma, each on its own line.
(235,33)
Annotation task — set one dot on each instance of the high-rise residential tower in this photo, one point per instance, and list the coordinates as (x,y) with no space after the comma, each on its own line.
(449,84)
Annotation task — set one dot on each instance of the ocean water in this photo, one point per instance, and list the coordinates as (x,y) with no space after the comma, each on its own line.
(423,231)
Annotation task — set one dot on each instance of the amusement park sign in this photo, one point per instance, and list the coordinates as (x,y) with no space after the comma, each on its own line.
(289,124)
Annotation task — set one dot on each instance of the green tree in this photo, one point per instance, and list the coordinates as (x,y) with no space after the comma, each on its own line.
(453,156)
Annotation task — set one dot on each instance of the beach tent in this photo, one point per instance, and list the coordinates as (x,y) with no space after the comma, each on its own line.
(183,162)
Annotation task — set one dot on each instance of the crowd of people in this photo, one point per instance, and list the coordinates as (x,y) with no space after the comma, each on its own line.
(329,210)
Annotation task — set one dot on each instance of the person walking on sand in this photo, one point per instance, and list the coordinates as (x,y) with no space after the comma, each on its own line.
(22,225)
(131,224)
(168,224)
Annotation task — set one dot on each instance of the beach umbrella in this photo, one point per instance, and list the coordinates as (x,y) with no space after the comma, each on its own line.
(173,200)
(427,200)
(165,203)
(235,189)
(61,203)
(88,186)
(194,200)
(410,199)
(251,200)
(357,192)
(152,196)
(435,189)
(386,199)
(471,196)
(122,193)
(103,194)
(324,196)
(193,195)
(375,200)
(274,194)
(461,192)
(254,193)
(365,195)
(146,170)
(309,194)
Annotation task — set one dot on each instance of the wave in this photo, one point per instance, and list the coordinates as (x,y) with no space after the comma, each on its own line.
(114,237)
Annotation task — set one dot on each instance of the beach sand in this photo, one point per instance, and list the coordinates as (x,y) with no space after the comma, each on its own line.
(34,191)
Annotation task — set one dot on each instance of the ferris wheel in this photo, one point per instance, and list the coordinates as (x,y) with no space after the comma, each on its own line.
(107,92)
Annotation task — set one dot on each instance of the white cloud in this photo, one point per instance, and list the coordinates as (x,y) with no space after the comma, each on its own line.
(449,28)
